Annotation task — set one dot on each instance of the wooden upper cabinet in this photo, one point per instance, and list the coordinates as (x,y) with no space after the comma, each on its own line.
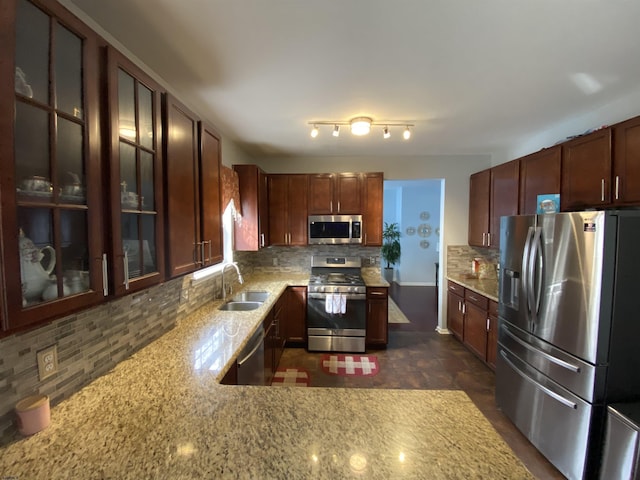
(479,196)
(288,209)
(182,188)
(539,174)
(210,195)
(626,162)
(335,194)
(51,161)
(135,159)
(586,171)
(505,181)
(372,208)
(252,233)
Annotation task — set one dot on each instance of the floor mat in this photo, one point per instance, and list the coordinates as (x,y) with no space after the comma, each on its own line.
(290,377)
(352,365)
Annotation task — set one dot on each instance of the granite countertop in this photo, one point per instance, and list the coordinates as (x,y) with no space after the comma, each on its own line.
(162,414)
(484,286)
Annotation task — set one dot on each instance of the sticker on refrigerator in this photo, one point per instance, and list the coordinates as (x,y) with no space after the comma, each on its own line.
(589,226)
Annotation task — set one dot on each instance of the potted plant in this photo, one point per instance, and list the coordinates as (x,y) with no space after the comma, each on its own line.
(390,248)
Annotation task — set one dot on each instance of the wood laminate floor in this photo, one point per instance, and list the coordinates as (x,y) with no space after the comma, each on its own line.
(417,357)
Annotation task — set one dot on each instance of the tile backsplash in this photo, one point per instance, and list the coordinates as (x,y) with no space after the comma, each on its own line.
(459,258)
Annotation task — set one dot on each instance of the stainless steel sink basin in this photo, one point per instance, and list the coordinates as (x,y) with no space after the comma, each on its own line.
(234,306)
(251,296)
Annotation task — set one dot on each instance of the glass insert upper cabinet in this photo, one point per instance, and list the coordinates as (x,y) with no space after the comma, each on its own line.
(52,259)
(135,159)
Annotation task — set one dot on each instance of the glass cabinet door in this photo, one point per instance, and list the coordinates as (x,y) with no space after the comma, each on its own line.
(52,246)
(136,178)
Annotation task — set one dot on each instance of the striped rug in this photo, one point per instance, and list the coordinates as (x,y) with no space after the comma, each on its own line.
(350,365)
(290,377)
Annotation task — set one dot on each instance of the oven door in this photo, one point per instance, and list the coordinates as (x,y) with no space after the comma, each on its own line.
(335,332)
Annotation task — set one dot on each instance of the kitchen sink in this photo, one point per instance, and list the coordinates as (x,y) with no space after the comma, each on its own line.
(234,306)
(251,296)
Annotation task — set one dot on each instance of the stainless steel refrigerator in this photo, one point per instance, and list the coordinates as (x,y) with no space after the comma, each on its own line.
(569,329)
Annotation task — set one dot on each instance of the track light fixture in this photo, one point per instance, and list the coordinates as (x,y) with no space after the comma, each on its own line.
(361,126)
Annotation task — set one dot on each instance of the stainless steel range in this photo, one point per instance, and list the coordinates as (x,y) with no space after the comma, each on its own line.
(336,305)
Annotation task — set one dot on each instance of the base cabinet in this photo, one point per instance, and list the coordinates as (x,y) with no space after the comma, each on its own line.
(295,316)
(377,317)
(473,320)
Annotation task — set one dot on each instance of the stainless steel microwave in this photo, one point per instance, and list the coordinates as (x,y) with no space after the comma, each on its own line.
(335,229)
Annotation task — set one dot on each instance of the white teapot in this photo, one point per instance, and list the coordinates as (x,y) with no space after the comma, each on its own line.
(35,277)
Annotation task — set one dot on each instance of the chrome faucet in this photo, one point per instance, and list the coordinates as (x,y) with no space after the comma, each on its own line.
(224,286)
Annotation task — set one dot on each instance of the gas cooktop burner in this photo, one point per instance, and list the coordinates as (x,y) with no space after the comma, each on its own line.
(336,279)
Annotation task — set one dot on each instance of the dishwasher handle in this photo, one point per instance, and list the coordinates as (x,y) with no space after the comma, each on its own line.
(258,344)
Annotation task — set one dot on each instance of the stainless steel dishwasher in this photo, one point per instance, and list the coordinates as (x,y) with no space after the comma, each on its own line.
(251,360)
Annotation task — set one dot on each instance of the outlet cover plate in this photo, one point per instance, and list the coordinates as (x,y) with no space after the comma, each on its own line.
(47,361)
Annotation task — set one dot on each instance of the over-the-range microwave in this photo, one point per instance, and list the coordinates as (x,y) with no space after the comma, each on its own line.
(335,229)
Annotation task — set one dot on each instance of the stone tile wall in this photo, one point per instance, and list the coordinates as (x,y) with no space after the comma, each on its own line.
(92,342)
(459,258)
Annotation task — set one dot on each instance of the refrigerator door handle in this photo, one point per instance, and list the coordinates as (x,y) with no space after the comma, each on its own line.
(551,358)
(552,394)
(526,268)
(535,274)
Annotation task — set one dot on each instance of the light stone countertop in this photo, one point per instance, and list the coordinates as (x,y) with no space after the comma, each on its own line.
(162,414)
(484,286)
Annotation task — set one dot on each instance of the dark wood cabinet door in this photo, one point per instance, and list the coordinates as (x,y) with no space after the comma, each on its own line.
(586,171)
(377,317)
(348,194)
(626,162)
(294,320)
(479,195)
(51,162)
(136,176)
(210,196)
(505,181)
(297,215)
(372,208)
(182,188)
(321,193)
(455,315)
(278,207)
(475,329)
(269,348)
(252,233)
(539,174)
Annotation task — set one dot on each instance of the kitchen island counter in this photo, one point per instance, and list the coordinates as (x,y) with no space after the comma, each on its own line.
(163,414)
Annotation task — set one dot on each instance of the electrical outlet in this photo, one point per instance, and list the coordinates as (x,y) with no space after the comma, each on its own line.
(47,361)
(372,260)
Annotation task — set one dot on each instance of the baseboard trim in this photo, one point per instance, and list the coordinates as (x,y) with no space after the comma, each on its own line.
(443,331)
(416,284)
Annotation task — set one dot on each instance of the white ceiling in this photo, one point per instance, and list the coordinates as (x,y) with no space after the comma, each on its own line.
(473,76)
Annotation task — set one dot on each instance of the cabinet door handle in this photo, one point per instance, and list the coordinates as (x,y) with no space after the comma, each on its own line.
(331,205)
(202,252)
(484,238)
(376,293)
(262,239)
(488,239)
(487,324)
(338,206)
(105,276)
(464,308)
(126,270)
(602,190)
(195,253)
(617,187)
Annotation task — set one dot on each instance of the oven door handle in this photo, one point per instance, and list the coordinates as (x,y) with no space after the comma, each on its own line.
(347,296)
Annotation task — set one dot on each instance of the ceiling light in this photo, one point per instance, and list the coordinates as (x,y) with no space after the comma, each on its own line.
(361,126)
(407,133)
